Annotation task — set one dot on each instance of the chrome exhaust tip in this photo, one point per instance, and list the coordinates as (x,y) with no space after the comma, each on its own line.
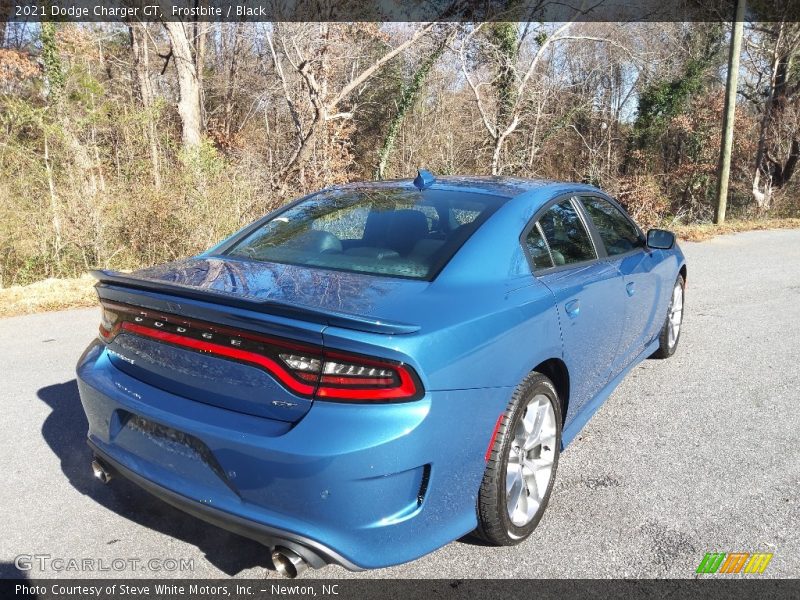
(101,473)
(288,563)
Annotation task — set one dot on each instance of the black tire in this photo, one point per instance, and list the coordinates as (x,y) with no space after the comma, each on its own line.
(494,523)
(664,348)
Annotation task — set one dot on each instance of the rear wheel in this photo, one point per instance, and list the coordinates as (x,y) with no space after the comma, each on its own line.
(522,464)
(671,331)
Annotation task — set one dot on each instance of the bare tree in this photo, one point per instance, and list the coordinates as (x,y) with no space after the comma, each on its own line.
(779,129)
(325,102)
(510,113)
(5,11)
(506,117)
(233,50)
(141,70)
(188,84)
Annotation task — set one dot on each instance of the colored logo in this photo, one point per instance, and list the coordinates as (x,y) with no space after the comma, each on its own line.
(734,562)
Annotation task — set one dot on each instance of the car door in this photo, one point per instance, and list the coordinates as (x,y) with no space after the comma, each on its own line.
(626,249)
(588,293)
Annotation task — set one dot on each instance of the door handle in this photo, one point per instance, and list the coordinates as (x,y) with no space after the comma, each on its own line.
(630,288)
(573,308)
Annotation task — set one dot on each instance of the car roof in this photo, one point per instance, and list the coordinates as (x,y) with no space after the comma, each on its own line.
(504,187)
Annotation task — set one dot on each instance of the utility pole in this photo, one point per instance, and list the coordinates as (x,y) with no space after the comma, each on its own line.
(730,112)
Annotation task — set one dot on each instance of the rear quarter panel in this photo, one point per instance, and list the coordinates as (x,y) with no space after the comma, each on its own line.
(469,337)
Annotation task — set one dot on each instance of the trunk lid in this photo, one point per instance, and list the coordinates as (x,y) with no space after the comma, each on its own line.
(206,328)
(356,301)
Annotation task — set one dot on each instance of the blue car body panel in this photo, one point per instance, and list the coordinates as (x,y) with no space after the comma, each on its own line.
(375,484)
(344,475)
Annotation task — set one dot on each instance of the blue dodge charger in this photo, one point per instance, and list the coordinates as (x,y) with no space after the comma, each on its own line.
(380,368)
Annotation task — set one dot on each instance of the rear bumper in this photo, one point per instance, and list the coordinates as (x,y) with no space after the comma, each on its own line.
(316,554)
(354,485)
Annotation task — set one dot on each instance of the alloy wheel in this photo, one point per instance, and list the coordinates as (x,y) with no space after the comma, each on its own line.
(530,460)
(675,315)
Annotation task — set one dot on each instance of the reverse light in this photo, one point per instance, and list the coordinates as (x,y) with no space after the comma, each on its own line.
(109,323)
(300,363)
(304,369)
(335,368)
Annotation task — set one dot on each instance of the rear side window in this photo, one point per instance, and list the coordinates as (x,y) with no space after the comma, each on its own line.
(566,235)
(617,232)
(398,232)
(537,248)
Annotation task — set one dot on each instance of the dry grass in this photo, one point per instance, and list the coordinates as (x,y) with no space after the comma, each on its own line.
(48,294)
(706,231)
(59,294)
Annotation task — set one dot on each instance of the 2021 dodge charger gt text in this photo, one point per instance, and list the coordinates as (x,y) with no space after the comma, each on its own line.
(378,369)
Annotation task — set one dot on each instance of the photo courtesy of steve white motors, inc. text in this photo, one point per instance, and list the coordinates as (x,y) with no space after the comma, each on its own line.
(101,10)
(193,590)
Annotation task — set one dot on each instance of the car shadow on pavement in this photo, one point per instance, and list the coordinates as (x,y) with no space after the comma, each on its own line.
(473,540)
(9,570)
(65,429)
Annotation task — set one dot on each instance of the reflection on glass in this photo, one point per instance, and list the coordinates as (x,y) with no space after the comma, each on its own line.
(393,231)
(568,239)
(617,232)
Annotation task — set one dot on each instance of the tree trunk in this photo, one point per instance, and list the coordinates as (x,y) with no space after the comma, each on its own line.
(505,37)
(499,142)
(141,70)
(188,85)
(774,172)
(54,208)
(303,152)
(232,76)
(762,195)
(200,36)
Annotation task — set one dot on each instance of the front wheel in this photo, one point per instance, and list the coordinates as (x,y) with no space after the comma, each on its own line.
(522,464)
(671,331)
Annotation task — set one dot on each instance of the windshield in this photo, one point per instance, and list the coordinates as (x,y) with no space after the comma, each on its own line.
(398,232)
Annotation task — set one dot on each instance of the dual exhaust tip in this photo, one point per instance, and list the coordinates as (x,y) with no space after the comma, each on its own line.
(287,562)
(101,472)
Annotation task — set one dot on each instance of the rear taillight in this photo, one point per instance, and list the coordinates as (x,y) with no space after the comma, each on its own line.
(343,376)
(304,369)
(109,323)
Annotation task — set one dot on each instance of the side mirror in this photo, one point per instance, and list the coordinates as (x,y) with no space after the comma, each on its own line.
(660,239)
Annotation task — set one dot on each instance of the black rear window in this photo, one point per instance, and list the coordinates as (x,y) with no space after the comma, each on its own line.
(393,231)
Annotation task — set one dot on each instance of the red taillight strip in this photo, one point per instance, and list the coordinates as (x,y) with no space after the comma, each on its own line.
(213,327)
(330,387)
(257,359)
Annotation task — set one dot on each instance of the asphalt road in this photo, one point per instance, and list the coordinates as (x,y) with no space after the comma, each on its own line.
(695,454)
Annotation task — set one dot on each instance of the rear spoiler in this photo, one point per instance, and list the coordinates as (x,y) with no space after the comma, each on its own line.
(114,280)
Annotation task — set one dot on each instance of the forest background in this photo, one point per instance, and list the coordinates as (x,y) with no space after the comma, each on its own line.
(125,145)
